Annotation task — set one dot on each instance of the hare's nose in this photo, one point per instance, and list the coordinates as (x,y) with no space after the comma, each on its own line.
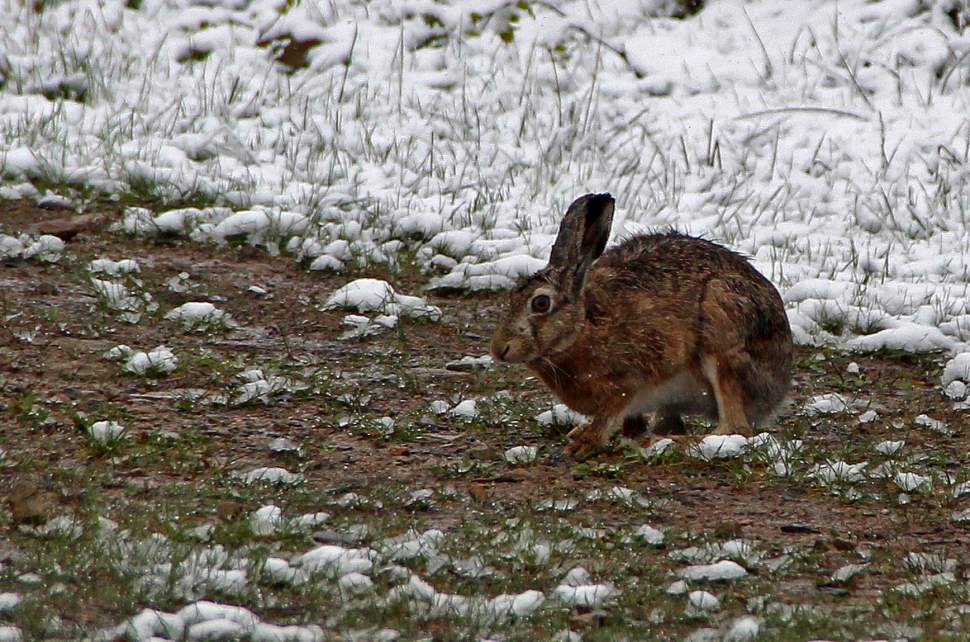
(500,351)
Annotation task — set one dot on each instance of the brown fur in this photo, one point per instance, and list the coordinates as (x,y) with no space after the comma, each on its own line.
(682,323)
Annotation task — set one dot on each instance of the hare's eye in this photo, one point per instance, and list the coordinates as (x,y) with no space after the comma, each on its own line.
(541,303)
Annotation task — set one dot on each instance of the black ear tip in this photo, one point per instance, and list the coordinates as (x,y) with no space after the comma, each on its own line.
(602,200)
(593,201)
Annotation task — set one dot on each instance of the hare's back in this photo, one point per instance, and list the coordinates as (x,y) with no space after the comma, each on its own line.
(675,260)
(664,277)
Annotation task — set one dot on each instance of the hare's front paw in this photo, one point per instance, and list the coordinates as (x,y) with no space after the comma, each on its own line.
(587,439)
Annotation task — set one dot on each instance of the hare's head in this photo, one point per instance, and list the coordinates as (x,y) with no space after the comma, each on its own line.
(546,311)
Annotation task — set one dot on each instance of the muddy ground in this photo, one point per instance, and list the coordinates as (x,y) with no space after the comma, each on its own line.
(54,382)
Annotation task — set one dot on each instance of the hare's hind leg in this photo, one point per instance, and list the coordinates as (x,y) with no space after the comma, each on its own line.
(731,418)
(665,422)
(723,355)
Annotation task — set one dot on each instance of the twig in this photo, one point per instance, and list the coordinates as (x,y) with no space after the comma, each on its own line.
(800,110)
(952,69)
(769,69)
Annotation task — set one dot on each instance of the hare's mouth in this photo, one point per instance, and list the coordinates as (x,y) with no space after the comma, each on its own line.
(513,351)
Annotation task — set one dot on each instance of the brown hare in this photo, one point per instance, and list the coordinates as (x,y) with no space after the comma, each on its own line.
(664,323)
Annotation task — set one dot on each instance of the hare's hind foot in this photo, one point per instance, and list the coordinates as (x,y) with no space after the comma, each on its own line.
(634,426)
(664,423)
(669,425)
(587,439)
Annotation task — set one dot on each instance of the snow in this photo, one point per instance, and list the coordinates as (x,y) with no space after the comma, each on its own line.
(848,190)
(412,544)
(266,520)
(839,471)
(588,595)
(160,360)
(719,571)
(263,387)
(105,432)
(218,629)
(649,535)
(889,447)
(470,363)
(742,629)
(9,601)
(957,369)
(657,448)
(115,295)
(825,404)
(9,633)
(270,475)
(355,583)
(114,268)
(719,447)
(560,415)
(361,326)
(891,274)
(198,313)
(910,337)
(701,601)
(467,409)
(955,390)
(928,583)
(845,573)
(10,247)
(335,560)
(283,445)
(677,588)
(375,295)
(425,600)
(928,563)
(521,454)
(205,620)
(45,248)
(934,425)
(909,482)
(961,489)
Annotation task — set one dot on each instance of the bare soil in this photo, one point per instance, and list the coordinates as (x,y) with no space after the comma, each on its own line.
(54,380)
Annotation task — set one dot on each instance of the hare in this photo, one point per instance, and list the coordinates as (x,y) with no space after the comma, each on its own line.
(665,323)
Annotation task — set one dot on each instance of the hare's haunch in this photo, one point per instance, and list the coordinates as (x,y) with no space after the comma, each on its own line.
(666,324)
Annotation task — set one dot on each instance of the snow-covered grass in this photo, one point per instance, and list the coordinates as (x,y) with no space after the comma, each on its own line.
(438,143)
(828,140)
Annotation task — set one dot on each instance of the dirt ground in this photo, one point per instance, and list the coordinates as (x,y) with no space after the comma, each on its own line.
(54,381)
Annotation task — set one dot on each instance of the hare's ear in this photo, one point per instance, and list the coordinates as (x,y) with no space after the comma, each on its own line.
(583,234)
